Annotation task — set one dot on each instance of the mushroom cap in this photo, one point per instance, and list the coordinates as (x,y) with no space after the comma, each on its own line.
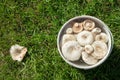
(17,52)
(72,50)
(100,49)
(88,24)
(102,37)
(96,30)
(69,31)
(15,49)
(88,59)
(77,27)
(85,38)
(68,37)
(21,55)
(88,49)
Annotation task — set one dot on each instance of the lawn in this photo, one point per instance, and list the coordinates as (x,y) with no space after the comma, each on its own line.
(36,23)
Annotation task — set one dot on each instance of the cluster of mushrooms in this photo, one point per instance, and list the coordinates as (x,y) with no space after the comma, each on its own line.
(84,41)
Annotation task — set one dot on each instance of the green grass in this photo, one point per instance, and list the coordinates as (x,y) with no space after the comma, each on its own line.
(36,23)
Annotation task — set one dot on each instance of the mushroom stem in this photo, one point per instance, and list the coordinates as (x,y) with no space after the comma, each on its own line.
(77,27)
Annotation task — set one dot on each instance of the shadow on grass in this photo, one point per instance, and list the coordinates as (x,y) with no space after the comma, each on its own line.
(109,70)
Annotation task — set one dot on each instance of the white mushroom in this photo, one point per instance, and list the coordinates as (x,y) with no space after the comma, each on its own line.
(17,52)
(102,37)
(72,50)
(88,49)
(68,37)
(77,27)
(75,35)
(85,38)
(69,31)
(96,31)
(100,49)
(88,59)
(88,25)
